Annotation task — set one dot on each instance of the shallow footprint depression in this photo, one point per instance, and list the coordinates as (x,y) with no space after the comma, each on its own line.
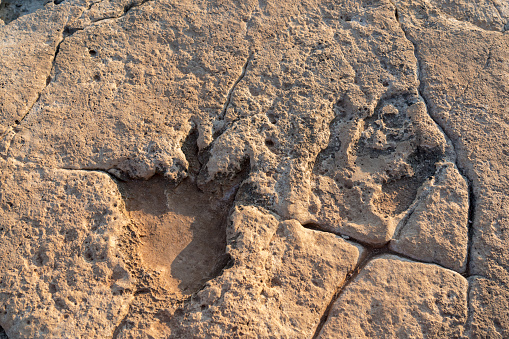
(182,231)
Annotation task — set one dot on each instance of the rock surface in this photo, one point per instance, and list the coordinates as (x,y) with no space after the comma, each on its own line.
(437,229)
(61,271)
(397,298)
(197,169)
(282,280)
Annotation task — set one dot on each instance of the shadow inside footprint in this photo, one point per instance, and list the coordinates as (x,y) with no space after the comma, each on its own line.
(3,335)
(10,10)
(182,231)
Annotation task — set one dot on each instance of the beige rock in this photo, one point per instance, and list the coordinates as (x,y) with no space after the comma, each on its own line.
(27,52)
(437,228)
(491,15)
(382,145)
(398,298)
(282,280)
(465,82)
(488,304)
(240,108)
(11,10)
(28,48)
(182,230)
(370,174)
(285,117)
(61,272)
(146,87)
(463,113)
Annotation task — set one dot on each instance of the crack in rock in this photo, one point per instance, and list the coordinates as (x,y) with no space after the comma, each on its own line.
(471,209)
(232,89)
(192,245)
(349,278)
(387,290)
(68,32)
(386,249)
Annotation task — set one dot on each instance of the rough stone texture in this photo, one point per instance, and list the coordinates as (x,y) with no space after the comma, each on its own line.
(256,155)
(467,91)
(27,52)
(488,309)
(281,282)
(11,10)
(280,279)
(61,273)
(143,89)
(489,15)
(28,49)
(397,298)
(437,229)
(140,109)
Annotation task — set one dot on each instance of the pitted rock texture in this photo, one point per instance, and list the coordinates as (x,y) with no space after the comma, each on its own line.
(258,169)
(11,10)
(62,274)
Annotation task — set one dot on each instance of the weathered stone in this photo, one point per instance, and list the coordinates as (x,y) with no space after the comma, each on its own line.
(240,109)
(398,298)
(488,304)
(281,280)
(304,123)
(12,9)
(183,231)
(27,51)
(61,273)
(437,230)
(29,48)
(370,174)
(144,88)
(467,90)
(491,15)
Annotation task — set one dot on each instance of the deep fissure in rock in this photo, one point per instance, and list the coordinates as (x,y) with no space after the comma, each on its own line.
(471,207)
(372,252)
(470,221)
(232,89)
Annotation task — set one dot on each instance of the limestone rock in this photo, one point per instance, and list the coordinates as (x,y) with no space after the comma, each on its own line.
(11,10)
(253,153)
(240,109)
(488,304)
(27,52)
(371,172)
(467,92)
(28,48)
(281,280)
(61,272)
(398,298)
(145,88)
(490,15)
(437,229)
